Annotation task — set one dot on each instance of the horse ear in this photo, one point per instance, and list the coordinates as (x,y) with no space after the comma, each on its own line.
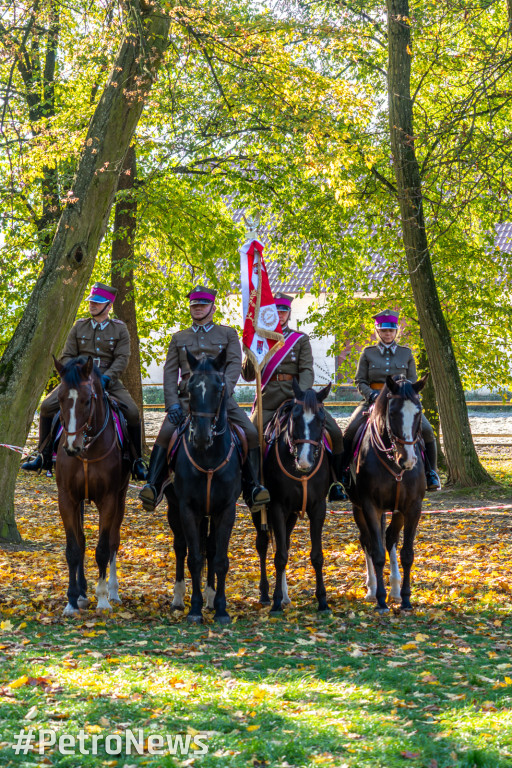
(58,365)
(220,361)
(87,367)
(297,391)
(391,384)
(418,385)
(192,360)
(320,396)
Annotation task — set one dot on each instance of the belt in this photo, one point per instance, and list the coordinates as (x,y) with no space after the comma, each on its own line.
(281,377)
(377,385)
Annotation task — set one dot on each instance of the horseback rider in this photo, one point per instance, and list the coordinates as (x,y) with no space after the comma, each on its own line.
(376,362)
(107,341)
(295,359)
(204,337)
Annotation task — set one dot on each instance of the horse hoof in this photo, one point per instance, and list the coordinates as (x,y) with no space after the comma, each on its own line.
(406,608)
(276,613)
(370,596)
(264,602)
(103,610)
(286,601)
(70,611)
(115,600)
(222,619)
(194,619)
(382,609)
(83,602)
(324,611)
(177,606)
(393,596)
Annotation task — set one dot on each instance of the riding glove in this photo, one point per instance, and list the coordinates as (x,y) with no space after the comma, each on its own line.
(175,414)
(373,397)
(105,381)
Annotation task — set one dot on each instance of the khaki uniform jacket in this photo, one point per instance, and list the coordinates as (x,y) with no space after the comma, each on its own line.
(298,362)
(379,361)
(200,342)
(109,347)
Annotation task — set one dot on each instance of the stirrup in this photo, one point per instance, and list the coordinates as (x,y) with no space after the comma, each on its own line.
(149,502)
(257,498)
(337,492)
(139,469)
(433,481)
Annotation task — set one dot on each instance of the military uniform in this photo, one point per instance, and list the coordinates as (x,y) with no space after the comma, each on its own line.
(209,340)
(108,344)
(375,364)
(203,338)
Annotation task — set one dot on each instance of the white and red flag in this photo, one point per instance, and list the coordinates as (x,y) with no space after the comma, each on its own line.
(262,334)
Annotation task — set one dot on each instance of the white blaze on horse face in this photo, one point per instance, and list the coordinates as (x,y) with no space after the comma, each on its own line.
(409,411)
(73,395)
(202,385)
(303,461)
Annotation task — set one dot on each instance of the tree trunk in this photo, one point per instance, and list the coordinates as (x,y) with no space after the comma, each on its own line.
(429,403)
(464,467)
(125,224)
(52,307)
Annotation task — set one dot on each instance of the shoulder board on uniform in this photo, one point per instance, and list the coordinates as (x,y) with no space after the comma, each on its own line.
(115,320)
(82,320)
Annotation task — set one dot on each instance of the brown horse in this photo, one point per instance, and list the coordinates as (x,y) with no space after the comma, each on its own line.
(89,466)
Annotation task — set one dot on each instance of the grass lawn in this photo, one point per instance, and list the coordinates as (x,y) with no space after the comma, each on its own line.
(432,689)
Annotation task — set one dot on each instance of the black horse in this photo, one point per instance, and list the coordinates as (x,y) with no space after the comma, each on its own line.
(297,475)
(207,484)
(390,475)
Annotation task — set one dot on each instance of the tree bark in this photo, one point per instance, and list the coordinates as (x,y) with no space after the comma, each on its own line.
(429,403)
(52,307)
(464,467)
(125,224)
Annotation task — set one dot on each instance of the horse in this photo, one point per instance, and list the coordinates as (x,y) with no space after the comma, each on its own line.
(207,483)
(297,475)
(389,475)
(89,466)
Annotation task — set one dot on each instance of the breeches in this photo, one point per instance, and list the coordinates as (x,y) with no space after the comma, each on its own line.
(331,427)
(50,404)
(358,418)
(235,415)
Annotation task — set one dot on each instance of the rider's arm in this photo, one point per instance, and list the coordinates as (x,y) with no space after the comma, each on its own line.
(233,361)
(306,369)
(248,370)
(121,351)
(362,378)
(171,371)
(411,369)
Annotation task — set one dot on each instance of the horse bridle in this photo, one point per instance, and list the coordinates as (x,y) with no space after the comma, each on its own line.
(391,452)
(212,415)
(292,444)
(86,428)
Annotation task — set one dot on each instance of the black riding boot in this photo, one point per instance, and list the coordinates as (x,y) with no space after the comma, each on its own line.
(157,473)
(344,464)
(255,495)
(43,459)
(337,489)
(139,469)
(433,481)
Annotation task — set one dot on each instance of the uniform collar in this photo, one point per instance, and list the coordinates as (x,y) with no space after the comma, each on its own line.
(286,331)
(207,327)
(102,325)
(382,348)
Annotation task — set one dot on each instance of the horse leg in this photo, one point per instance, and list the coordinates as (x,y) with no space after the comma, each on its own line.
(75,550)
(262,538)
(191,529)
(290,525)
(316,524)
(412,519)
(280,557)
(83,600)
(377,552)
(364,540)
(209,590)
(223,527)
(114,541)
(392,534)
(180,552)
(105,550)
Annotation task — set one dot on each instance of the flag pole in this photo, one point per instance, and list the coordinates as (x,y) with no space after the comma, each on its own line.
(259,411)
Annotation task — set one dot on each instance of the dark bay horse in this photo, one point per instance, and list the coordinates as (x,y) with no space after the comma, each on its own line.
(297,475)
(390,475)
(90,466)
(207,484)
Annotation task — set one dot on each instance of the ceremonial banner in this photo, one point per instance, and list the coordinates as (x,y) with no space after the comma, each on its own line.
(262,334)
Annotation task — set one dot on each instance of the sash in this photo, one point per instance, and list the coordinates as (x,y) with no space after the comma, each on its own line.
(278,357)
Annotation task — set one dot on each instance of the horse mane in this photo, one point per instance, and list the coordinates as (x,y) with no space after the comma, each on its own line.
(71,374)
(311,403)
